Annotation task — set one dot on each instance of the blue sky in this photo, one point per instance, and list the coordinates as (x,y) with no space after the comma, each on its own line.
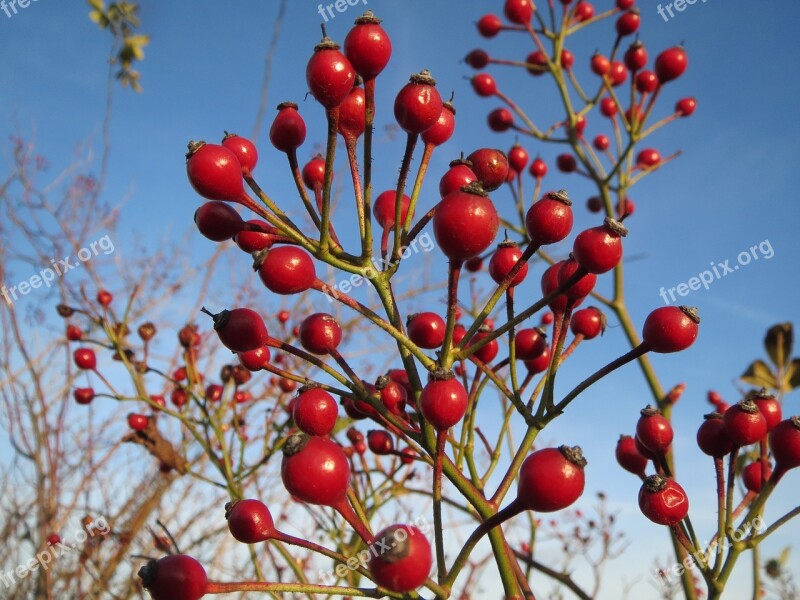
(734,187)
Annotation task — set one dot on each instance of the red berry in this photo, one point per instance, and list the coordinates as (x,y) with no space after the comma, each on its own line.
(601,142)
(649,157)
(85,359)
(459,175)
(594,204)
(249,521)
(315,411)
(549,284)
(137,422)
(578,290)
(215,172)
(244,149)
(646,82)
(625,4)
(628,457)
(488,352)
(671,328)
(393,395)
(550,219)
(539,364)
(537,63)
(671,64)
(643,450)
(566,163)
(368,46)
(744,423)
(256,235)
(314,173)
(284,316)
(530,343)
(214,392)
(179,397)
(567,59)
(628,23)
(418,105)
(83,395)
(218,221)
(442,130)
(519,11)
(654,431)
(384,208)
(663,500)
(490,167)
(599,249)
(320,333)
(752,476)
(489,25)
(500,119)
(477,59)
(784,441)
(538,168)
(600,65)
(288,130)
(465,223)
(380,442)
(405,561)
(617,73)
(484,85)
(286,270)
(769,406)
(256,359)
(329,74)
(584,11)
(426,330)
(353,115)
(636,56)
(685,107)
(504,260)
(608,107)
(551,479)
(240,329)
(443,400)
(517,158)
(104,298)
(53,539)
(174,577)
(74,333)
(588,322)
(315,469)
(713,438)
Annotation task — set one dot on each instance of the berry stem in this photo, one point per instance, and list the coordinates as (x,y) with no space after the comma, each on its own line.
(326,232)
(438,528)
(405,167)
(352,158)
(369,113)
(301,188)
(453,274)
(347,512)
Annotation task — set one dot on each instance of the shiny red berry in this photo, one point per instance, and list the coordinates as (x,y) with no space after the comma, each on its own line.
(744,423)
(489,25)
(288,130)
(685,107)
(628,457)
(753,476)
(418,104)
(636,56)
(566,163)
(426,330)
(628,23)
(137,422)
(368,46)
(581,288)
(240,329)
(599,249)
(83,395)
(530,343)
(484,85)
(600,65)
(320,333)
(617,73)
(250,521)
(583,11)
(286,270)
(314,173)
(588,322)
(601,142)
(85,359)
(649,157)
(315,469)
(442,130)
(385,207)
(663,500)
(671,64)
(380,442)
(713,438)
(477,59)
(654,430)
(174,577)
(539,364)
(215,172)
(671,328)
(315,411)
(443,400)
(550,219)
(255,359)
(244,149)
(457,176)
(538,168)
(218,221)
(504,260)
(104,298)
(517,158)
(551,479)
(608,107)
(405,561)
(567,59)
(519,11)
(537,63)
(500,119)
(329,74)
(465,223)
(769,406)
(74,333)
(784,441)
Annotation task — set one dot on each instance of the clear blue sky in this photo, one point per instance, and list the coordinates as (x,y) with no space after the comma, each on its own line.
(735,185)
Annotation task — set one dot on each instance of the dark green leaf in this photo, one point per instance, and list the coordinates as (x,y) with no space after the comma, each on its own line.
(778,343)
(791,378)
(760,375)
